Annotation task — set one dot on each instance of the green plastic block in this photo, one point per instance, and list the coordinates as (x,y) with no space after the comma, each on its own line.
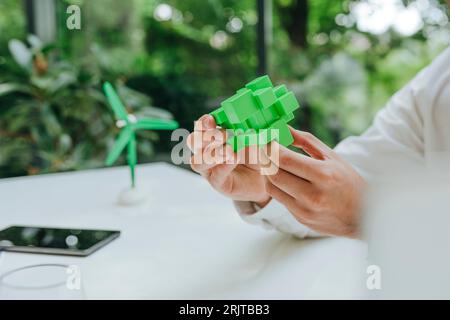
(266,135)
(227,125)
(270,115)
(220,116)
(284,134)
(240,126)
(240,106)
(280,90)
(260,107)
(265,97)
(234,142)
(287,103)
(241,141)
(259,83)
(288,117)
(257,121)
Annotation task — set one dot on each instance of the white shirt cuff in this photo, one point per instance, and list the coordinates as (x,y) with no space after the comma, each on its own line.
(276,216)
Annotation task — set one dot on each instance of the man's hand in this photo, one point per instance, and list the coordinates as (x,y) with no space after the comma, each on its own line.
(229,173)
(323,191)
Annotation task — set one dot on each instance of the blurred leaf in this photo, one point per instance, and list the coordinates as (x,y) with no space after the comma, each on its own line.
(21,54)
(50,121)
(132,98)
(153,112)
(65,143)
(35,42)
(63,80)
(8,88)
(52,84)
(15,152)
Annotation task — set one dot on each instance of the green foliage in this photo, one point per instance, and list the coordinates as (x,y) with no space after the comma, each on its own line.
(343,75)
(53,115)
(197,42)
(12,22)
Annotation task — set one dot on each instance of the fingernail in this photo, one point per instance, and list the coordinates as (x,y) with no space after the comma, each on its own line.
(200,124)
(208,122)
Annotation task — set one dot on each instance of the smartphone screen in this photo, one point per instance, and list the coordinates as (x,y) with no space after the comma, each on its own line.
(54,240)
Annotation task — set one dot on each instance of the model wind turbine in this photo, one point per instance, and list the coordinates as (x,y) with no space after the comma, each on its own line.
(129,124)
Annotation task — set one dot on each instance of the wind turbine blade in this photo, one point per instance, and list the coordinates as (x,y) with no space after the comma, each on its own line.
(155,124)
(115,102)
(132,157)
(122,140)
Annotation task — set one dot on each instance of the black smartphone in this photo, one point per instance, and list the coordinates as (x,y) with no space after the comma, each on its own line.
(73,242)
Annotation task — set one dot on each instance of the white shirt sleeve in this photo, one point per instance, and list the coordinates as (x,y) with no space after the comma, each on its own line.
(275,216)
(395,141)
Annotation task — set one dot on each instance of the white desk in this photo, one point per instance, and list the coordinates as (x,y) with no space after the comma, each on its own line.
(186,242)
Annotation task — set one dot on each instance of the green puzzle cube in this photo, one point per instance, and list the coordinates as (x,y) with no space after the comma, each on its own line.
(258,114)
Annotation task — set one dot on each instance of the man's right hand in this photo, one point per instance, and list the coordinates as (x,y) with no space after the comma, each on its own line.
(228,172)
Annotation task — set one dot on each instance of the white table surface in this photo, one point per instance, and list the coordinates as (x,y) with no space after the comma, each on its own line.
(185,242)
